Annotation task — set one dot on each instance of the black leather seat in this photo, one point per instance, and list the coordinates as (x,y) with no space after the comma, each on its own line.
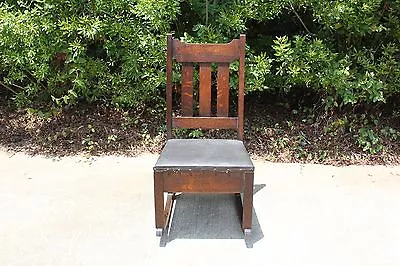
(219,154)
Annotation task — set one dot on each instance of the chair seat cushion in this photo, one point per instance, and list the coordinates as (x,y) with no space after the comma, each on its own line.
(198,154)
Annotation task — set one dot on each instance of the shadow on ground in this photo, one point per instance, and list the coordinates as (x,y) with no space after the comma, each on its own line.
(210,216)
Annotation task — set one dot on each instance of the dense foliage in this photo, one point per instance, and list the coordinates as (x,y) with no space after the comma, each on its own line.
(55,53)
(63,51)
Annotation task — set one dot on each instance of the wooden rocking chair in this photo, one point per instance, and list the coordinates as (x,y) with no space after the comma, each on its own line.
(204,165)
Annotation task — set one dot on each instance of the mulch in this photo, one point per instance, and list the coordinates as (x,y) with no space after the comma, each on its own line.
(274,132)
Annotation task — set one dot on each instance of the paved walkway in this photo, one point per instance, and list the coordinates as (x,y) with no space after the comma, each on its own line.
(77,211)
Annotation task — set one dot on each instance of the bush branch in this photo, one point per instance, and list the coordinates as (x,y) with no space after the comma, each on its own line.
(7,87)
(301,21)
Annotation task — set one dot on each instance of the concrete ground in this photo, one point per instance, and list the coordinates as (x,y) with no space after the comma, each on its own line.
(77,211)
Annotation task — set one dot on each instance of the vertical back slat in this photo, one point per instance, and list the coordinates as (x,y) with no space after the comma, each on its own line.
(205,89)
(223,90)
(187,89)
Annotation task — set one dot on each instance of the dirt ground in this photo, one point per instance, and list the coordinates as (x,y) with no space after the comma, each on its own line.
(286,133)
(79,210)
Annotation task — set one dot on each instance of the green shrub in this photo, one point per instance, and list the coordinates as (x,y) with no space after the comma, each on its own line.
(61,52)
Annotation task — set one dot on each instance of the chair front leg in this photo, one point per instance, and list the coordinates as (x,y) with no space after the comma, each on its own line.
(247,201)
(159,202)
(248,208)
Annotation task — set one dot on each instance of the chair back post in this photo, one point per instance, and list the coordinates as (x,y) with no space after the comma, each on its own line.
(169,85)
(242,49)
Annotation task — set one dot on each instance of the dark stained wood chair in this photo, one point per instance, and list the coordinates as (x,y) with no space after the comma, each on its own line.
(204,165)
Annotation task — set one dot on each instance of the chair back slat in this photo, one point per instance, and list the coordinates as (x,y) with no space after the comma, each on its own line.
(213,89)
(206,53)
(205,89)
(223,90)
(187,89)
